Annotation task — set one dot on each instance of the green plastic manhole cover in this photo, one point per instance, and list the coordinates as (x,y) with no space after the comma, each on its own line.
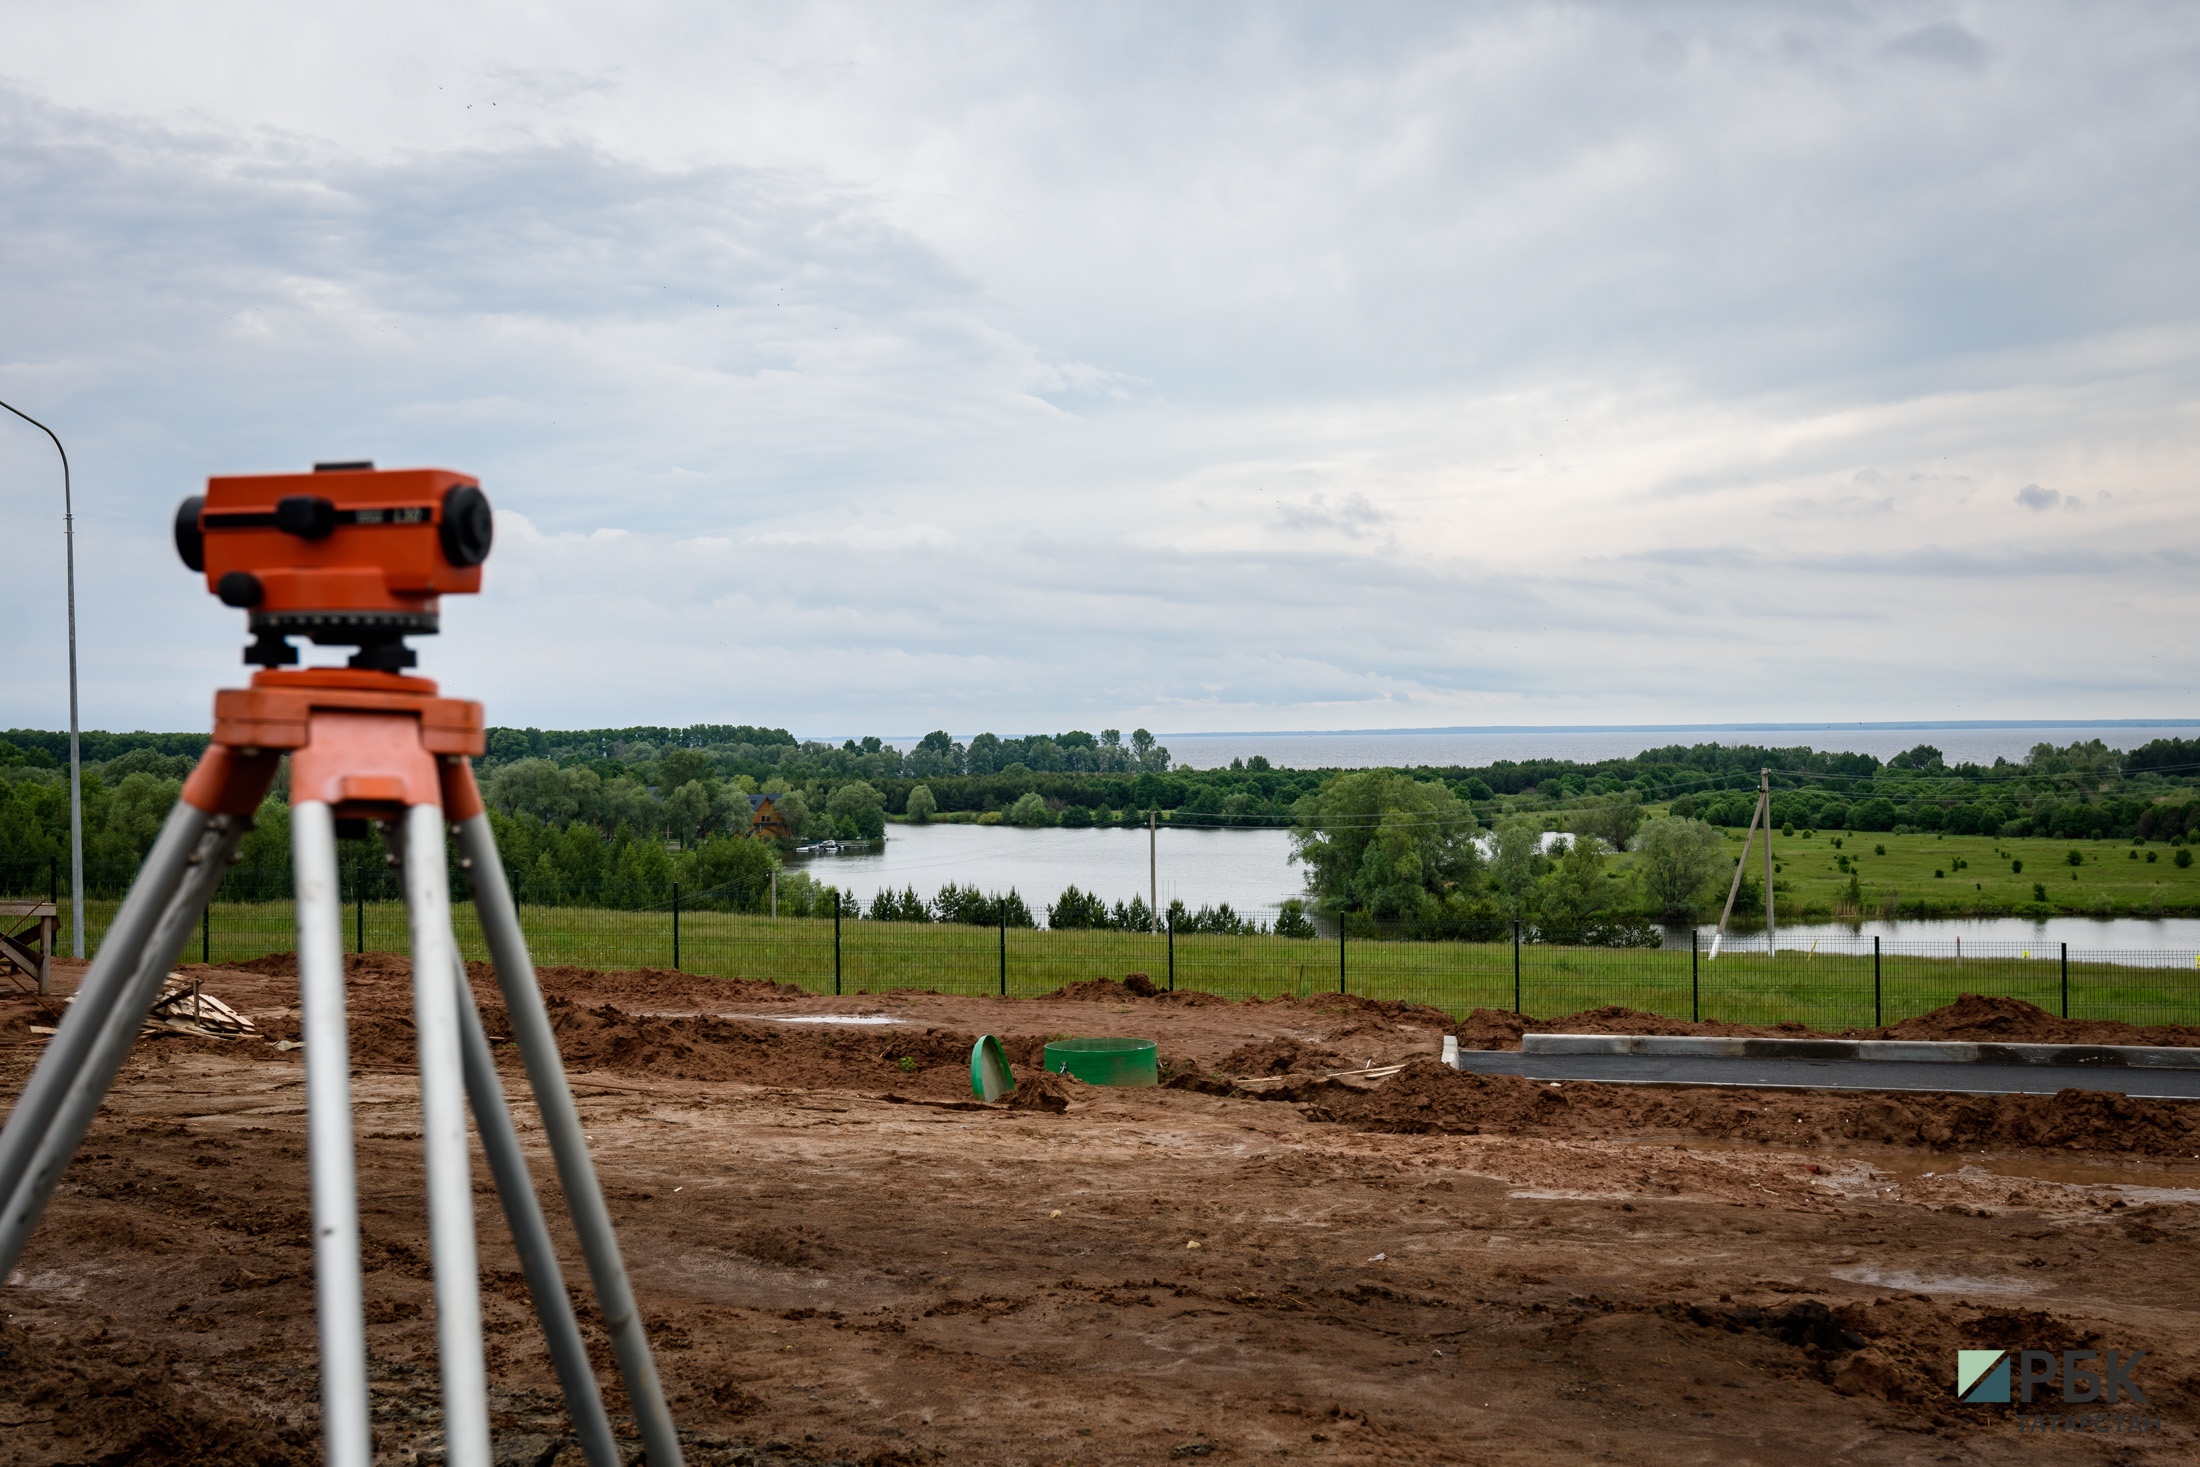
(1106,1061)
(989,1074)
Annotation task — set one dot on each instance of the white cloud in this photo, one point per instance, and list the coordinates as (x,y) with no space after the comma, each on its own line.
(882,368)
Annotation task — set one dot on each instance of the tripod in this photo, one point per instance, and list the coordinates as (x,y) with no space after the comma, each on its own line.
(364,744)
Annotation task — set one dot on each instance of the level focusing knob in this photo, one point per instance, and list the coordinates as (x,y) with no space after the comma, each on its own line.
(190,539)
(308,516)
(468,527)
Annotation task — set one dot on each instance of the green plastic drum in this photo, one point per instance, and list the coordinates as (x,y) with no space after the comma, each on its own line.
(1106,1061)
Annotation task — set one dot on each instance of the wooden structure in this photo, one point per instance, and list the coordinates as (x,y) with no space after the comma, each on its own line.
(765,820)
(28,930)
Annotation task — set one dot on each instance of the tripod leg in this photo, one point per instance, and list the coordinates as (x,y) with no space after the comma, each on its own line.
(538,1259)
(341,1315)
(443,1130)
(561,1124)
(205,866)
(111,969)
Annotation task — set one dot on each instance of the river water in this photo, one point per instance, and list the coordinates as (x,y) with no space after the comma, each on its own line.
(1252,871)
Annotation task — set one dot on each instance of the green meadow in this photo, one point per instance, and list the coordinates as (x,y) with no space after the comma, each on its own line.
(1825,989)
(1858,873)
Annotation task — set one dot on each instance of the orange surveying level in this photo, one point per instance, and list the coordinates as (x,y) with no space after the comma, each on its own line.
(348,555)
(353,556)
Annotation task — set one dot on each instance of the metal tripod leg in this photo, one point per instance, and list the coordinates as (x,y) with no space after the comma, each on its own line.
(206,864)
(561,1125)
(538,1259)
(71,1047)
(340,1296)
(443,1131)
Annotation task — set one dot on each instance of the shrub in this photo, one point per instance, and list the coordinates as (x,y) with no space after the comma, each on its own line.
(2183,857)
(2016,868)
(922,806)
(1292,920)
(1029,809)
(2075,858)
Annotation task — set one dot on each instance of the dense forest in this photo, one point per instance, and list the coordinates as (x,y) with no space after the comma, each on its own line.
(620,815)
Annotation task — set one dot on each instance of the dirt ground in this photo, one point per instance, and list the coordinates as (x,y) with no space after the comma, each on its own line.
(843,1258)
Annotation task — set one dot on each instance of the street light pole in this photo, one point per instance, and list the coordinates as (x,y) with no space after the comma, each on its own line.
(76,769)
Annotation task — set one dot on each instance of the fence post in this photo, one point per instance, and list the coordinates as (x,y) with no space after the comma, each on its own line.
(1340,949)
(836,942)
(2066,979)
(1876,1020)
(1695,985)
(1004,947)
(1516,965)
(1172,954)
(675,926)
(206,948)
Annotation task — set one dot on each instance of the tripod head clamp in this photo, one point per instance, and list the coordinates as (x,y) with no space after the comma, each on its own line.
(348,555)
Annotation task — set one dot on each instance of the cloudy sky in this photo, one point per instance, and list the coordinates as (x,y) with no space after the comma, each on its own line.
(877,368)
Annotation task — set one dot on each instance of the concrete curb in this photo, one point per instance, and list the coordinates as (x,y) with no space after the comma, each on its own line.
(1913,1051)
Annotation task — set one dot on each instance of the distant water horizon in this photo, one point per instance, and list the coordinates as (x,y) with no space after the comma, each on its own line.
(1973,740)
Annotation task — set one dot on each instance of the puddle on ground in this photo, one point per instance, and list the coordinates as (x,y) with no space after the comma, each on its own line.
(2135,1179)
(1917,1283)
(824,1018)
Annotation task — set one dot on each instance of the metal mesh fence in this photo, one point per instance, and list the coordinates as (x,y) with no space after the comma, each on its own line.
(1825,983)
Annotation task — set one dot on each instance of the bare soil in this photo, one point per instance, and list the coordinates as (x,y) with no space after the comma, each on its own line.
(843,1258)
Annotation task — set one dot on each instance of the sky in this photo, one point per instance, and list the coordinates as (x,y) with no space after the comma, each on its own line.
(876,368)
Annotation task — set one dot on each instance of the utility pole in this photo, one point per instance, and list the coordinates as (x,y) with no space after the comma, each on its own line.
(76,770)
(1762,812)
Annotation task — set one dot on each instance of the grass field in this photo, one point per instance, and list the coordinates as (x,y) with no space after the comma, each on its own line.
(1825,989)
(1896,875)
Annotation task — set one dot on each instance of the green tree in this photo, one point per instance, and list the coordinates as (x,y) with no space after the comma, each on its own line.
(1381,842)
(1575,894)
(1516,863)
(1613,819)
(858,811)
(921,806)
(1678,860)
(728,872)
(1029,809)
(687,812)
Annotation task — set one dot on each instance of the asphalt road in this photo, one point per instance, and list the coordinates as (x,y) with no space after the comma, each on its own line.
(1797,1074)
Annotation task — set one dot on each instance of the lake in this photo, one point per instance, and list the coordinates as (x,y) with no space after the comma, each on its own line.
(1249,869)
(1252,871)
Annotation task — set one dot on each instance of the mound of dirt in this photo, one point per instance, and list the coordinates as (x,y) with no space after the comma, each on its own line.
(1428,1096)
(1396,1010)
(637,986)
(1971,1017)
(1280,1056)
(1108,990)
(1977,1017)
(113,1399)
(1039,1089)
